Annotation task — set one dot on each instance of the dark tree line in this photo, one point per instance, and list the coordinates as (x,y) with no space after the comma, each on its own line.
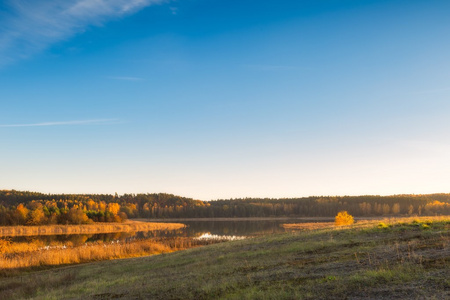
(30,208)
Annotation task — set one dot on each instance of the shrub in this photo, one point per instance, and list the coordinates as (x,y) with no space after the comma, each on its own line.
(343,218)
(383,225)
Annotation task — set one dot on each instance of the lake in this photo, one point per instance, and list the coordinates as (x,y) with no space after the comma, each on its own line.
(223,230)
(39,251)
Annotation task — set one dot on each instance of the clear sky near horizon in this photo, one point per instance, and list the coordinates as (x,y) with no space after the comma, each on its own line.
(220,99)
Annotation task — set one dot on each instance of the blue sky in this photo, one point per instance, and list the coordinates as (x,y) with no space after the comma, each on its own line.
(221,99)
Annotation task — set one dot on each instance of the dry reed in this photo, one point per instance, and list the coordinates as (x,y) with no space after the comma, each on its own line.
(30,255)
(86,228)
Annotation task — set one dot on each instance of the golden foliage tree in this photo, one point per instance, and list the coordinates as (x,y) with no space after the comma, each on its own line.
(37,217)
(343,218)
(21,214)
(77,216)
(113,208)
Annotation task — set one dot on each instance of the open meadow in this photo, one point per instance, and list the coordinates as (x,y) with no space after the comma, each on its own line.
(392,258)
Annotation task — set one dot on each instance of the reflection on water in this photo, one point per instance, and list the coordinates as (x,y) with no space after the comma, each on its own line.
(209,236)
(80,239)
(40,251)
(219,230)
(236,228)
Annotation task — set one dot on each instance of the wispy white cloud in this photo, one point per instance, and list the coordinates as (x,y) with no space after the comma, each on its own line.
(126,78)
(30,26)
(63,123)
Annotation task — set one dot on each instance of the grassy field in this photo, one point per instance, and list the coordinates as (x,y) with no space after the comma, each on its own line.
(390,259)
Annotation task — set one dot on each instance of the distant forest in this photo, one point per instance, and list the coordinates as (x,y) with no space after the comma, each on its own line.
(31,208)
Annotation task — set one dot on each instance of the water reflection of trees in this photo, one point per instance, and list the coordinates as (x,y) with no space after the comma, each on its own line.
(80,239)
(66,249)
(194,229)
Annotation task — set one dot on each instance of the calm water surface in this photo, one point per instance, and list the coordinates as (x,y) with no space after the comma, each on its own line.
(226,230)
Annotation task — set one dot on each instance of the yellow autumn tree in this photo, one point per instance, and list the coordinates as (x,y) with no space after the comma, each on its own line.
(113,208)
(77,216)
(21,215)
(37,217)
(343,218)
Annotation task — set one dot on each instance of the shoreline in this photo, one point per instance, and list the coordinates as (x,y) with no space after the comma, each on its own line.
(310,219)
(95,228)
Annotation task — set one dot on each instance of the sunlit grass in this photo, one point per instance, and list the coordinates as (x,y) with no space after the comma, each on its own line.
(22,256)
(423,222)
(86,228)
(309,226)
(35,254)
(403,260)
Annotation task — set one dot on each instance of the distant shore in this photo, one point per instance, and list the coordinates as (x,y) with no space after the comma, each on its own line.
(308,219)
(131,225)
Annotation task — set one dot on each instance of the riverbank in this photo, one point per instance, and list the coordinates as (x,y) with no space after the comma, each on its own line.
(402,259)
(132,225)
(298,219)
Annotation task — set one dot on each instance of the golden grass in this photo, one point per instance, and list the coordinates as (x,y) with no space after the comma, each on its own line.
(86,228)
(364,223)
(399,220)
(18,255)
(309,226)
(24,255)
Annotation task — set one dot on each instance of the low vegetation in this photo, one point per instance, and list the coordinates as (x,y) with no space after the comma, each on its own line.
(308,226)
(35,254)
(20,257)
(403,259)
(86,228)
(344,218)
